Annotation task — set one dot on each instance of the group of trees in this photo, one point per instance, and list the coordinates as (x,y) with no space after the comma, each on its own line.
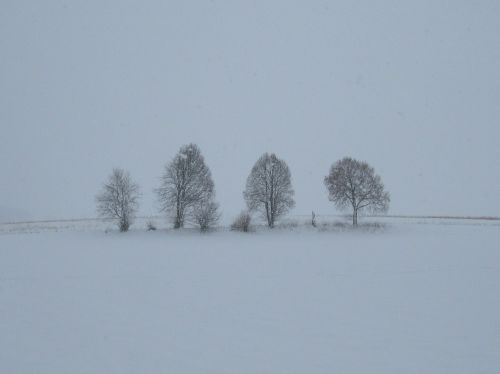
(187,191)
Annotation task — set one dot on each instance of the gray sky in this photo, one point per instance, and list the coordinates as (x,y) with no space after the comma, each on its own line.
(411,87)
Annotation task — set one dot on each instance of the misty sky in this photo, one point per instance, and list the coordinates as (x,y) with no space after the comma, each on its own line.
(411,87)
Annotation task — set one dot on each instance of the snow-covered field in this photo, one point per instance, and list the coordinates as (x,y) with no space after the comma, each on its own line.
(420,296)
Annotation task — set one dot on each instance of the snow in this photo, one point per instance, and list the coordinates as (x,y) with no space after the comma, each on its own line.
(412,298)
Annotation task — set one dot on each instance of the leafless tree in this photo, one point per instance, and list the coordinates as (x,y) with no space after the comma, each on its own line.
(186,183)
(150,225)
(269,188)
(119,199)
(354,183)
(242,222)
(206,215)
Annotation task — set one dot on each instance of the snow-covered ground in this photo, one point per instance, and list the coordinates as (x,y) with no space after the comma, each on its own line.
(409,298)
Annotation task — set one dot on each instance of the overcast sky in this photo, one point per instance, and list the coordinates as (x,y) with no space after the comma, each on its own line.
(411,87)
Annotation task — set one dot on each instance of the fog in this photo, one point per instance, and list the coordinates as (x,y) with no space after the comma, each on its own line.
(412,88)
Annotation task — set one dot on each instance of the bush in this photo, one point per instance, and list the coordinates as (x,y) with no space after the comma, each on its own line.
(206,215)
(150,225)
(242,222)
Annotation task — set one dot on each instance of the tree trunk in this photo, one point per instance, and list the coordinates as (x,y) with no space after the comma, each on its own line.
(124,225)
(268,216)
(179,219)
(355,217)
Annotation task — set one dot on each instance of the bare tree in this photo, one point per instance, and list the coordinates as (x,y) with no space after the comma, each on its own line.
(119,199)
(354,183)
(269,188)
(150,225)
(242,222)
(186,183)
(206,215)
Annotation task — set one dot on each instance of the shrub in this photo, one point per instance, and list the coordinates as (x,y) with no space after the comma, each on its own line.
(242,222)
(206,215)
(150,225)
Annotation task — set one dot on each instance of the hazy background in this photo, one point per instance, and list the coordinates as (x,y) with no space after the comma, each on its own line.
(411,87)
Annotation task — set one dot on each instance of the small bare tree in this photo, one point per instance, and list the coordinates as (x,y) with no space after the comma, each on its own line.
(119,199)
(269,188)
(242,222)
(354,183)
(150,225)
(206,215)
(186,183)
